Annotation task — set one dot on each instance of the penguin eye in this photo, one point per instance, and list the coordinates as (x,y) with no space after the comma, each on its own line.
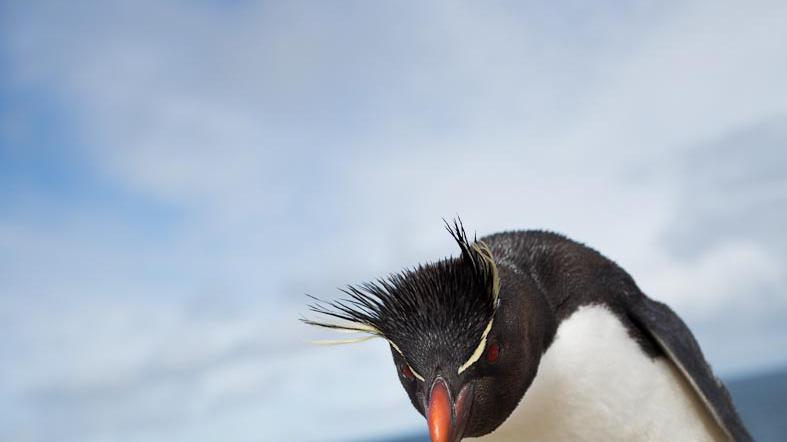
(493,352)
(407,372)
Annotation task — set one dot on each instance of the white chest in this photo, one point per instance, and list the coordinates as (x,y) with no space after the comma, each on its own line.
(595,384)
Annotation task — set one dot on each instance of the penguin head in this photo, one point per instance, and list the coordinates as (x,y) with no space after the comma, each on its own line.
(465,352)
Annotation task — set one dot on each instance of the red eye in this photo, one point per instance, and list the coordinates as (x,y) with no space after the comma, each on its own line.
(407,372)
(493,352)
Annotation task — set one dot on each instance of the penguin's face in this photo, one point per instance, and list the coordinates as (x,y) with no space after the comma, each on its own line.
(464,336)
(477,400)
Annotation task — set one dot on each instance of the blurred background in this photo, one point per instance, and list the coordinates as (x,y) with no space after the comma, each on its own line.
(176,176)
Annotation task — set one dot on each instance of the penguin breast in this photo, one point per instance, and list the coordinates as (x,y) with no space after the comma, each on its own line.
(595,383)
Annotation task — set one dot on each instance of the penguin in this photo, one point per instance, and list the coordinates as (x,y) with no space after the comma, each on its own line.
(531,336)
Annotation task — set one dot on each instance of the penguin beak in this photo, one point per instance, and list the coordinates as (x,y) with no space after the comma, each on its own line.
(446,418)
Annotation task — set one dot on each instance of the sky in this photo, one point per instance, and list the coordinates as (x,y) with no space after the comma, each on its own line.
(175,177)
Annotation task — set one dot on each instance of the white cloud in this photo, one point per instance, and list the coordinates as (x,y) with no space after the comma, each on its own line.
(735,276)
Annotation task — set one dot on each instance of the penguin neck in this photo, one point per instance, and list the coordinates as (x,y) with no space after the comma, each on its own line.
(527,304)
(525,325)
(550,319)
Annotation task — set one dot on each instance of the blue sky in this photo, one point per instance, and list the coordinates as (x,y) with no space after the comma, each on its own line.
(174,177)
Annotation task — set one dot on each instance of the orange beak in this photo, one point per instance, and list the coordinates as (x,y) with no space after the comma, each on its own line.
(446,421)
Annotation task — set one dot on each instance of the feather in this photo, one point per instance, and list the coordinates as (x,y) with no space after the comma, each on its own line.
(451,301)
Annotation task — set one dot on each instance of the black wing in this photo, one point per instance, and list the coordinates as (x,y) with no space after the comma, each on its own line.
(675,339)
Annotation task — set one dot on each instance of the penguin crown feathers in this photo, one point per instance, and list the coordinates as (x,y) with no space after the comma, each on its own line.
(446,306)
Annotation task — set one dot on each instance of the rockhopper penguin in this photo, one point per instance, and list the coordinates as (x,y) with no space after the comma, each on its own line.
(529,336)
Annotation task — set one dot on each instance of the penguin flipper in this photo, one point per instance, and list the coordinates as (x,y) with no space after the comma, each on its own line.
(675,339)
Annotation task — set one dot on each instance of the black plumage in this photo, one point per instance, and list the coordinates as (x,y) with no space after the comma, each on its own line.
(441,307)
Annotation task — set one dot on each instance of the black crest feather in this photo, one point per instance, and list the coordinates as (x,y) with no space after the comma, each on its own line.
(443,306)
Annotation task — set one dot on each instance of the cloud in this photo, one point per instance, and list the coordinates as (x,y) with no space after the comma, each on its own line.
(734,185)
(732,277)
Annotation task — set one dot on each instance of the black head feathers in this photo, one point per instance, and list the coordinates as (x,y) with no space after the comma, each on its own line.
(439,311)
